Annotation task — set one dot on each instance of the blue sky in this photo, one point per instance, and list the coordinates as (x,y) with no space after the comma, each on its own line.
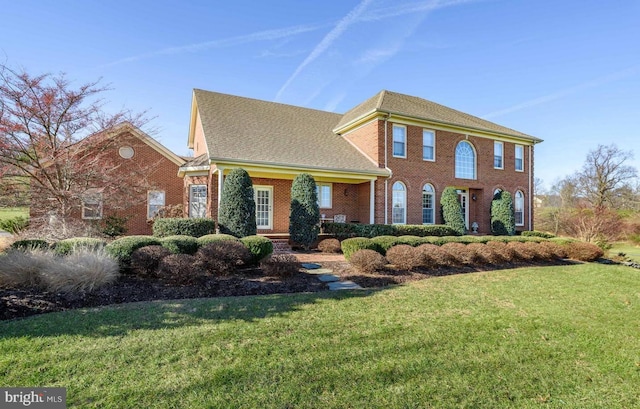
(565,71)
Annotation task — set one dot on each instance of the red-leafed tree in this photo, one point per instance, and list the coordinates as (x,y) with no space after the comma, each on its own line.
(59,139)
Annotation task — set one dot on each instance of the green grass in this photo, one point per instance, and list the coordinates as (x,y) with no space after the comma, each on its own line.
(9,212)
(632,251)
(548,337)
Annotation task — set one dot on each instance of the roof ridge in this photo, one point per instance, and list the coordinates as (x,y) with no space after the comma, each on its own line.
(381,96)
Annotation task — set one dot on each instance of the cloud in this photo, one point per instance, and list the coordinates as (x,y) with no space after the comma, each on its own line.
(396,11)
(566,91)
(326,42)
(266,35)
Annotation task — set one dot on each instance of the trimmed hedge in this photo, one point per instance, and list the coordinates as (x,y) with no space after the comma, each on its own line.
(30,244)
(349,230)
(180,244)
(195,227)
(216,238)
(534,233)
(452,211)
(123,247)
(68,246)
(259,246)
(350,246)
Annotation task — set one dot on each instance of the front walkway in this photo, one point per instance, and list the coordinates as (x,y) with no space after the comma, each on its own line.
(312,263)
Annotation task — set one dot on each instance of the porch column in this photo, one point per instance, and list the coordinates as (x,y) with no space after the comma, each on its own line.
(220,183)
(372,201)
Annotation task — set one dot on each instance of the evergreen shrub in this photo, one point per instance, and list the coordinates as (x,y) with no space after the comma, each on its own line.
(237,215)
(452,211)
(304,213)
(503,219)
(174,226)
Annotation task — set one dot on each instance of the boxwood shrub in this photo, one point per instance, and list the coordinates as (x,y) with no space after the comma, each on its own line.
(215,238)
(385,243)
(348,230)
(30,244)
(259,246)
(350,246)
(174,226)
(424,230)
(67,246)
(180,244)
(123,247)
(534,233)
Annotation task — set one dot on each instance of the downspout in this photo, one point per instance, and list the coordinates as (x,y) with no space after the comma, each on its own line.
(530,187)
(386,181)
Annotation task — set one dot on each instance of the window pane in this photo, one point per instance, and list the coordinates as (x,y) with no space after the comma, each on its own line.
(399,140)
(156,202)
(519,208)
(428,145)
(324,195)
(465,161)
(519,157)
(399,204)
(427,205)
(92,206)
(497,155)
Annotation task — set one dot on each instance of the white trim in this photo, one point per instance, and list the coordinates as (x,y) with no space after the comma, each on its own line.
(515,206)
(220,171)
(164,202)
(393,140)
(515,156)
(434,144)
(319,186)
(206,190)
(475,160)
(433,203)
(372,201)
(404,191)
(501,144)
(269,189)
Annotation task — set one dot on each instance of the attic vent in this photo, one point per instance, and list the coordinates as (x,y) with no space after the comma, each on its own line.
(126,152)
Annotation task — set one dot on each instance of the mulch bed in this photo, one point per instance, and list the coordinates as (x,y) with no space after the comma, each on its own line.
(19,303)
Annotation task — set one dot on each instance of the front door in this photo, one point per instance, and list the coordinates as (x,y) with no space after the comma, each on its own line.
(263,196)
(463,197)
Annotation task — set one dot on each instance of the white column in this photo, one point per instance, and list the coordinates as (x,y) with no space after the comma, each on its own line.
(372,201)
(220,183)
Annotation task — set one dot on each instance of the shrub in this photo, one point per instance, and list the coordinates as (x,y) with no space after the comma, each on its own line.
(68,246)
(180,244)
(404,257)
(434,256)
(281,265)
(194,227)
(522,251)
(374,230)
(583,251)
(340,230)
(14,225)
(82,270)
(534,233)
(179,269)
(458,252)
(479,254)
(145,260)
(501,253)
(237,214)
(555,250)
(452,211)
(30,244)
(413,241)
(122,248)
(350,246)
(222,257)
(214,238)
(114,226)
(21,268)
(425,230)
(330,246)
(503,219)
(304,213)
(385,243)
(260,247)
(367,261)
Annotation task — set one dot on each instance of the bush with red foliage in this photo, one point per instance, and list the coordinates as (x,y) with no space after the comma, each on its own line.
(522,251)
(368,261)
(179,269)
(280,265)
(222,257)
(146,260)
(404,257)
(330,246)
(434,256)
(479,254)
(458,252)
(582,251)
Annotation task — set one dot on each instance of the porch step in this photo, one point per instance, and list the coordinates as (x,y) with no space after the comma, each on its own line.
(281,246)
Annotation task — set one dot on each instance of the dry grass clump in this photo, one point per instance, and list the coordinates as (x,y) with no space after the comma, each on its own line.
(21,268)
(330,246)
(583,251)
(179,269)
(368,261)
(280,265)
(404,257)
(83,270)
(146,260)
(222,257)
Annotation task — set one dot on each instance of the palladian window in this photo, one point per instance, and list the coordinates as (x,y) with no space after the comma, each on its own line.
(465,161)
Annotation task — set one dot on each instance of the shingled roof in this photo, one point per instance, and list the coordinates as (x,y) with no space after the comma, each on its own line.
(261,132)
(418,108)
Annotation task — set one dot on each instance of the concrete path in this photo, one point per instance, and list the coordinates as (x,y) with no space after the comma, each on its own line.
(326,276)
(5,234)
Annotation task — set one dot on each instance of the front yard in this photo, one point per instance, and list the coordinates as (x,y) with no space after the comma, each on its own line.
(557,336)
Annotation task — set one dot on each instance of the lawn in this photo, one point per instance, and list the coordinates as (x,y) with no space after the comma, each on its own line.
(9,212)
(560,336)
(632,251)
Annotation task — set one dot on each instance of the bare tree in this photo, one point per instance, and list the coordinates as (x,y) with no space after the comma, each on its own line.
(58,139)
(604,174)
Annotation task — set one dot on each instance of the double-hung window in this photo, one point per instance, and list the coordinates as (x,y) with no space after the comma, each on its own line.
(92,205)
(428,201)
(399,203)
(399,141)
(498,155)
(428,145)
(518,207)
(155,202)
(324,195)
(519,158)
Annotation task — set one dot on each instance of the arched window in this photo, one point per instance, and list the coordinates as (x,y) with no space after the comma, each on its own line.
(465,161)
(399,204)
(518,207)
(428,213)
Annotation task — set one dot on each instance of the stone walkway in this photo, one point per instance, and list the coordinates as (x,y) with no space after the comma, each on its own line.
(326,276)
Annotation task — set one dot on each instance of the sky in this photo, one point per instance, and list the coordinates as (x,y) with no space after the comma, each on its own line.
(565,71)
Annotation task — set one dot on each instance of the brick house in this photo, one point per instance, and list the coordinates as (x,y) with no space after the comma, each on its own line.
(386,160)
